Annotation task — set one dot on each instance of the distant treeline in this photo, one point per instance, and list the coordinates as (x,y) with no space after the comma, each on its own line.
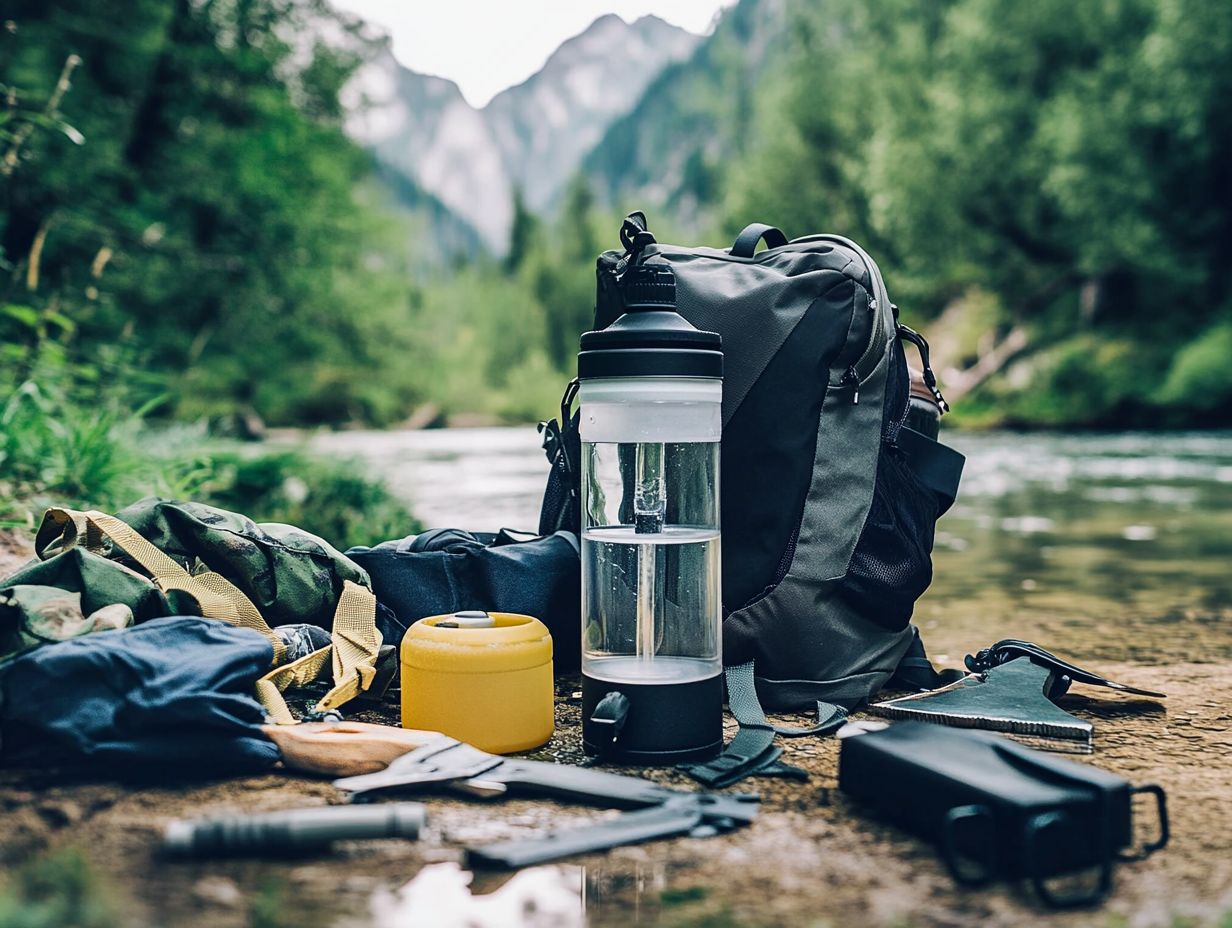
(1053,178)
(1047,185)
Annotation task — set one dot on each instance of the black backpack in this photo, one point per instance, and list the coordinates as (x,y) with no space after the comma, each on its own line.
(829,499)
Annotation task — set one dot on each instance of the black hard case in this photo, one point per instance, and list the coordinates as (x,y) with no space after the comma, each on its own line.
(994,807)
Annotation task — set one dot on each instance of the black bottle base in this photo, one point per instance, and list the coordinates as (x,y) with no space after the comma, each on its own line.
(667,723)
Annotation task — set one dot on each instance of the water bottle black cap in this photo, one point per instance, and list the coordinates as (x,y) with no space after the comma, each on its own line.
(651,339)
(649,286)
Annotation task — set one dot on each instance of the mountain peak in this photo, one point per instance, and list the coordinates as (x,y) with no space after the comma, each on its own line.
(532,136)
(654,21)
(603,18)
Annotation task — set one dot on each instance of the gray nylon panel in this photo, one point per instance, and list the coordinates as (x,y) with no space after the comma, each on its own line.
(802,633)
(755,303)
(844,464)
(811,644)
(808,642)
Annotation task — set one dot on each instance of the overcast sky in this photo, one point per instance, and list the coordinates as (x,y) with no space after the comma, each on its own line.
(488,45)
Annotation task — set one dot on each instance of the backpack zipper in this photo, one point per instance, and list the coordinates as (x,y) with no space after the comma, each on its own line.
(853,379)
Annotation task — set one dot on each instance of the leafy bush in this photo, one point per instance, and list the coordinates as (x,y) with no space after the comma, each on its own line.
(1201,377)
(532,391)
(328,498)
(76,438)
(1084,380)
(79,439)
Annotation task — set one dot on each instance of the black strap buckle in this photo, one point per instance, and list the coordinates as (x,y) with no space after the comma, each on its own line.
(1035,853)
(1161,812)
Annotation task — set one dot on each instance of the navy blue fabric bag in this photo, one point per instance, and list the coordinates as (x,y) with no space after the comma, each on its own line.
(449,570)
(170,697)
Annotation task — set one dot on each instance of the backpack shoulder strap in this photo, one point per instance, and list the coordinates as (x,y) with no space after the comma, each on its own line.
(753,752)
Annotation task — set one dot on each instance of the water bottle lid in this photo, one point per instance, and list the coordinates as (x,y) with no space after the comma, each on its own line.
(651,339)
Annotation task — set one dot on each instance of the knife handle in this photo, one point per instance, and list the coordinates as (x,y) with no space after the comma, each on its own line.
(343,749)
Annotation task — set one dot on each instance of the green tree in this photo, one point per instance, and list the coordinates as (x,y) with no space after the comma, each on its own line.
(523,234)
(217,217)
(561,274)
(1074,161)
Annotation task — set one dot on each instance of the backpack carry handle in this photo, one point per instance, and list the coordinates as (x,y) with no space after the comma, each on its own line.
(754,232)
(635,235)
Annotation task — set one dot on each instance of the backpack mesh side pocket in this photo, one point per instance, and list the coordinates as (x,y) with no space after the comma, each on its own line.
(891,565)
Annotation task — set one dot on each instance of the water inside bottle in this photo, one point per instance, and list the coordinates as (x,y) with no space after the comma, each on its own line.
(652,603)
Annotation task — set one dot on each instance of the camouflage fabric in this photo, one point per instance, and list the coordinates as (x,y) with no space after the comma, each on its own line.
(69,595)
(290,575)
(222,565)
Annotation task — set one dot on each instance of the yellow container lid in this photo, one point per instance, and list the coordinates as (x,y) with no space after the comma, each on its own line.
(510,642)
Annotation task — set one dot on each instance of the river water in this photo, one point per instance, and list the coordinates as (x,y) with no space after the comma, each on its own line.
(1119,545)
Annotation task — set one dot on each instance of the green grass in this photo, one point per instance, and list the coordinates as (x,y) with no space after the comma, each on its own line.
(269,904)
(56,446)
(88,446)
(58,890)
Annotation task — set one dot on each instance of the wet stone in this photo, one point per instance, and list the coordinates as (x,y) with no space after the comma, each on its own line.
(218,891)
(60,814)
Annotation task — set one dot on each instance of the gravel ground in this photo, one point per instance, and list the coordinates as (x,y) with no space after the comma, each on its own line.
(811,858)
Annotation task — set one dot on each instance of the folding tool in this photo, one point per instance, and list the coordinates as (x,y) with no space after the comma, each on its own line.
(662,812)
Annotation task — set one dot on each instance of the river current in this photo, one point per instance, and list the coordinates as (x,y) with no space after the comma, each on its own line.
(1123,541)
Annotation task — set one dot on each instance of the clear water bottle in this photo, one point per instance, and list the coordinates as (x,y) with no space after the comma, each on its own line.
(650,391)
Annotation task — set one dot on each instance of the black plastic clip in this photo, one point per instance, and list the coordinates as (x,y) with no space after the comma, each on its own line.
(609,718)
(1035,853)
(556,438)
(930,379)
(983,857)
(634,235)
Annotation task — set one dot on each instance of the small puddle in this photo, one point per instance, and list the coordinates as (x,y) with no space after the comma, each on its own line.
(446,896)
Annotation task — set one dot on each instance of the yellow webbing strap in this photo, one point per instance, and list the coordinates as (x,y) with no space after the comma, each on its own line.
(297,673)
(352,657)
(217,597)
(356,640)
(62,529)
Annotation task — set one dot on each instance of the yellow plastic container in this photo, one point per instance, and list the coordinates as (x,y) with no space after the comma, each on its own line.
(483,678)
